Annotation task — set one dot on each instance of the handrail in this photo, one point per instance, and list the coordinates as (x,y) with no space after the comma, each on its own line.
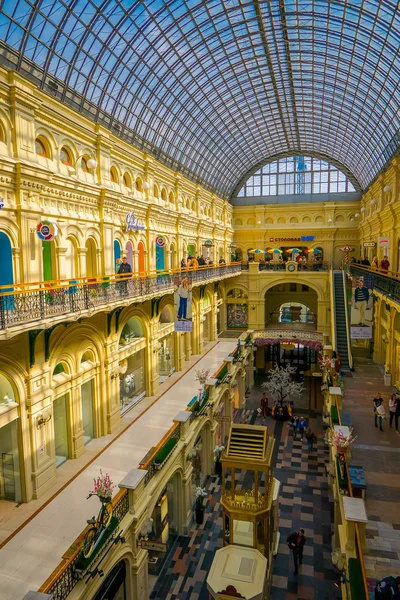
(357,531)
(160,444)
(333,312)
(346,313)
(53,285)
(389,274)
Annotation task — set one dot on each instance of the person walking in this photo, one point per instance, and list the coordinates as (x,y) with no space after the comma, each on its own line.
(375,264)
(392,409)
(264,405)
(124,269)
(311,438)
(378,406)
(302,427)
(295,425)
(385,264)
(296,541)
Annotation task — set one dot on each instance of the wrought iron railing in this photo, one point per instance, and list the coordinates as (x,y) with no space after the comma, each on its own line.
(156,459)
(387,283)
(313,267)
(64,578)
(20,304)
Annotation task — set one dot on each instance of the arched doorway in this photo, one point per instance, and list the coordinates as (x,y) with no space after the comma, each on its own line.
(141,263)
(115,586)
(166,353)
(291,306)
(133,367)
(117,255)
(160,257)
(10,478)
(91,265)
(6,266)
(129,254)
(294,313)
(49,261)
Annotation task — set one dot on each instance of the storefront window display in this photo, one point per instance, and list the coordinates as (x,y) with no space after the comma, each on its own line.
(237,316)
(10,481)
(60,429)
(132,381)
(166,357)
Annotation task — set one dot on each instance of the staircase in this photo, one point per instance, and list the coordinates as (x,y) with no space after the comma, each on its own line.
(340,319)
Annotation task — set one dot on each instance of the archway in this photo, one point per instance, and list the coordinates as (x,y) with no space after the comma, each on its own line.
(160,257)
(141,262)
(6,266)
(293,313)
(88,396)
(129,254)
(115,586)
(61,407)
(291,305)
(49,261)
(70,260)
(132,382)
(10,474)
(91,265)
(117,255)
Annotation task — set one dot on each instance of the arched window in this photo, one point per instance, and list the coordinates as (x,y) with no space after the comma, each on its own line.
(297,175)
(127,181)
(113,175)
(84,164)
(40,148)
(65,156)
(139,184)
(156,192)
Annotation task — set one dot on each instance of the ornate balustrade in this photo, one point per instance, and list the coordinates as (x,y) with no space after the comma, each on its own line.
(33,302)
(386,283)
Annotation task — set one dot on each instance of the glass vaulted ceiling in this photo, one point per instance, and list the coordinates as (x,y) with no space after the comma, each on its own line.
(215,87)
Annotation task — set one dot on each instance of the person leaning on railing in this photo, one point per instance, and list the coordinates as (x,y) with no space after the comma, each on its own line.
(125,270)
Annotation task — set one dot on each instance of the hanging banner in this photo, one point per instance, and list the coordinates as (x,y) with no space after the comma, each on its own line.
(161,241)
(362,309)
(208,244)
(47,231)
(383,242)
(183,303)
(133,223)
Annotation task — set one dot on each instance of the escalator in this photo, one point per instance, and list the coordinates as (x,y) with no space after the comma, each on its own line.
(341,326)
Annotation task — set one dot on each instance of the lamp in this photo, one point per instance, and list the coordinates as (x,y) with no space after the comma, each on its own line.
(91,162)
(352,219)
(357,215)
(330,220)
(387,188)
(146,185)
(373,201)
(42,419)
(342,579)
(363,209)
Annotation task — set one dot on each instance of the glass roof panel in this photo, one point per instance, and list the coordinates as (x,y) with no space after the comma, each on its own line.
(219,86)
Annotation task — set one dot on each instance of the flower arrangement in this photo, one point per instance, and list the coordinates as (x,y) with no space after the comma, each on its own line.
(202,375)
(325,362)
(103,486)
(218,450)
(340,441)
(199,495)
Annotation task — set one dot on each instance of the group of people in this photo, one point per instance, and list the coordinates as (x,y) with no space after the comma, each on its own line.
(382,266)
(193,263)
(380,411)
(280,411)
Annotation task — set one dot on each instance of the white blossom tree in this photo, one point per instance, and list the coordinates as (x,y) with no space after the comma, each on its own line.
(280,385)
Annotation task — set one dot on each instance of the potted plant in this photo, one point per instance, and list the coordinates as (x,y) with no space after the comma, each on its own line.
(340,441)
(218,450)
(103,487)
(201,375)
(200,494)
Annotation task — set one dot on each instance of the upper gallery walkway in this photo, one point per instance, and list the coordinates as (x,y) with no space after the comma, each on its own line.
(378,452)
(32,554)
(42,304)
(386,282)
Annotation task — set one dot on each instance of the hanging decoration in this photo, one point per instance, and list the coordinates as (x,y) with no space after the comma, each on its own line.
(46,231)
(347,251)
(161,241)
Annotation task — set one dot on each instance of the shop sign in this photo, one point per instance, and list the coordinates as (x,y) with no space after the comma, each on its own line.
(316,374)
(369,244)
(383,242)
(133,223)
(303,238)
(208,244)
(161,241)
(1,202)
(47,231)
(155,546)
(222,419)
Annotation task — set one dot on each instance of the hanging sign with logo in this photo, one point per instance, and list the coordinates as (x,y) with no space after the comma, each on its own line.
(369,244)
(1,202)
(132,223)
(161,241)
(383,242)
(303,238)
(47,231)
(208,244)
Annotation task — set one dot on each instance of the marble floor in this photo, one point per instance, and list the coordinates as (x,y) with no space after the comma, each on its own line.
(35,549)
(304,502)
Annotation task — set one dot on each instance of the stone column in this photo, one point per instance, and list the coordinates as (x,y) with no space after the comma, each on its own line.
(82,252)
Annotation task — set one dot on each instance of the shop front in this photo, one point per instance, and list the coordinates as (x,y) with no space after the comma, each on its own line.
(10,480)
(132,380)
(166,357)
(115,586)
(60,422)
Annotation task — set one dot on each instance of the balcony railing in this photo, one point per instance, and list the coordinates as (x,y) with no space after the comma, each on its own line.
(310,267)
(27,303)
(386,282)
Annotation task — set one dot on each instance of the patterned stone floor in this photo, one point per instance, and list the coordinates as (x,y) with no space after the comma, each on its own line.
(304,502)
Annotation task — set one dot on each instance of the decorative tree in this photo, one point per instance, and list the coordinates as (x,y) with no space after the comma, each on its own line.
(280,386)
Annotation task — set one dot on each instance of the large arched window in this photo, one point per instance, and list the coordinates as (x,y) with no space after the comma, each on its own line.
(296,175)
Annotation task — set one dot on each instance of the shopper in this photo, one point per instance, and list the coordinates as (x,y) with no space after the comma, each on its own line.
(311,439)
(125,270)
(397,415)
(302,427)
(264,405)
(295,425)
(385,264)
(375,264)
(392,408)
(296,541)
(379,415)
